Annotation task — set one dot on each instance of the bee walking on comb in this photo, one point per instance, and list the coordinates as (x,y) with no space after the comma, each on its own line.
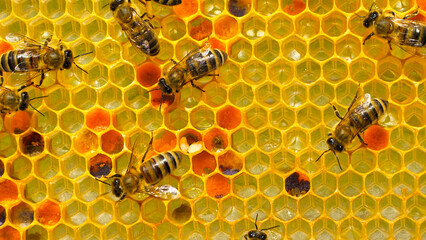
(144,179)
(32,56)
(400,31)
(361,114)
(13,100)
(258,234)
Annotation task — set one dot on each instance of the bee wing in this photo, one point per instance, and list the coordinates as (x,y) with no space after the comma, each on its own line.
(165,192)
(24,41)
(190,54)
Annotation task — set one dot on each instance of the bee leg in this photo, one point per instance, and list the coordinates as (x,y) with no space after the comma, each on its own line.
(389,43)
(1,78)
(335,111)
(41,79)
(338,161)
(193,84)
(368,37)
(149,146)
(412,14)
(213,75)
(173,61)
(25,86)
(148,16)
(362,140)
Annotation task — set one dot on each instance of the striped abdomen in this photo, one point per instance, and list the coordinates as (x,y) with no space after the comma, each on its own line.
(143,36)
(168,2)
(201,63)
(160,166)
(413,34)
(20,60)
(367,113)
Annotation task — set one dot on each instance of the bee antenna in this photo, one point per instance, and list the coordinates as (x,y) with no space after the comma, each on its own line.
(38,97)
(322,154)
(97,179)
(161,101)
(269,228)
(36,109)
(155,89)
(359,15)
(83,54)
(80,68)
(105,5)
(338,161)
(255,221)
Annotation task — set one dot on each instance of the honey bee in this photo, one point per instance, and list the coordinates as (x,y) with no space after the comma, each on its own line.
(361,114)
(143,180)
(195,65)
(167,2)
(36,57)
(400,31)
(13,100)
(138,30)
(258,234)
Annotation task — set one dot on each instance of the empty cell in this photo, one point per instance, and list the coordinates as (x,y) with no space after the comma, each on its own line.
(230,163)
(164,141)
(22,215)
(200,28)
(218,186)
(297,184)
(32,144)
(239,8)
(98,119)
(100,165)
(212,8)
(48,213)
(216,140)
(148,74)
(203,163)
(112,142)
(229,117)
(17,122)
(226,27)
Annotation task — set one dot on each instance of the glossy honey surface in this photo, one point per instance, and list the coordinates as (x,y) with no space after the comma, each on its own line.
(263,118)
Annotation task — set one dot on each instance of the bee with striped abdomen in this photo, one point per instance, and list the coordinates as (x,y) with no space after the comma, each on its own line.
(257,234)
(13,100)
(144,179)
(36,57)
(138,30)
(399,31)
(361,114)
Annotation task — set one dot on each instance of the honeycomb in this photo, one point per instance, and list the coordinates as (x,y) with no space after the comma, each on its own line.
(264,118)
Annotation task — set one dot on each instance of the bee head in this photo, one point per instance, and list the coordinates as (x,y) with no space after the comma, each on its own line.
(257,234)
(68,59)
(372,16)
(115,3)
(116,188)
(164,87)
(334,145)
(25,101)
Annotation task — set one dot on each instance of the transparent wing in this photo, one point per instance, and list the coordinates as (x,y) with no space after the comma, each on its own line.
(165,192)
(203,49)
(23,41)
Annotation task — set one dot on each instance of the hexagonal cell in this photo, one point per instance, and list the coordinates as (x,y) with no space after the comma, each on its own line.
(110,97)
(403,138)
(335,70)
(190,141)
(112,142)
(389,69)
(309,117)
(80,9)
(177,118)
(85,141)
(414,114)
(363,160)
(18,122)
(404,229)
(35,190)
(229,73)
(205,209)
(413,68)
(415,207)
(325,228)
(141,231)
(377,184)
(166,52)
(212,8)
(269,139)
(97,76)
(63,232)
(32,144)
(179,211)
(71,120)
(153,210)
(87,189)
(66,28)
(295,94)
(173,28)
(401,92)
(297,184)
(414,160)
(94,28)
(88,231)
(362,69)
(345,92)
(226,27)
(46,123)
(190,96)
(61,189)
(299,229)
(6,9)
(48,213)
(243,140)
(58,98)
(39,26)
(337,207)
(391,207)
(21,215)
(257,162)
(364,207)
(267,49)
(12,25)
(334,24)
(239,8)
(83,98)
(100,165)
(218,186)
(10,232)
(321,48)
(293,7)
(167,230)
(108,51)
(268,94)
(241,50)
(73,165)
(348,47)
(352,228)
(311,207)
(53,9)
(101,212)
(283,161)
(295,139)
(123,74)
(75,212)
(403,184)
(200,28)
(230,163)
(307,25)
(136,97)
(98,119)
(271,184)
(390,161)
(255,117)
(294,48)
(164,141)
(203,163)
(191,186)
(281,117)
(36,232)
(18,169)
(46,167)
(124,119)
(350,184)
(127,211)
(228,117)
(216,140)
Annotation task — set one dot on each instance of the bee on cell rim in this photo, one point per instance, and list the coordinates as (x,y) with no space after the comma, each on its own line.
(144,179)
(33,56)
(258,234)
(13,100)
(361,114)
(138,29)
(400,31)
(196,64)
